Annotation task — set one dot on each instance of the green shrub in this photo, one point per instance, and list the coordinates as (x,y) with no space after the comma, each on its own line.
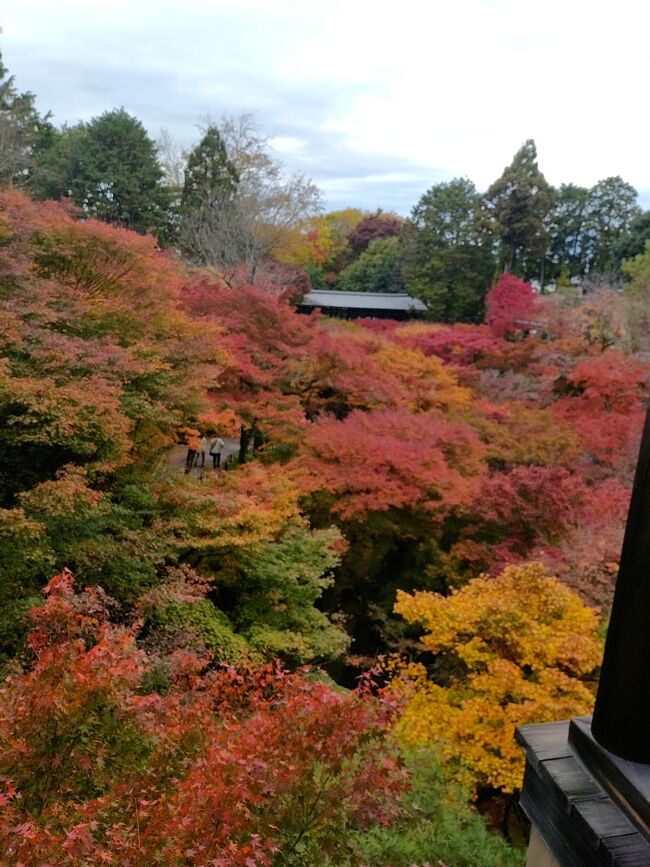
(203,621)
(437,826)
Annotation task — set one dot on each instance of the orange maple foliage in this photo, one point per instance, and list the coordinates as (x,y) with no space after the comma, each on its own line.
(515,649)
(113,361)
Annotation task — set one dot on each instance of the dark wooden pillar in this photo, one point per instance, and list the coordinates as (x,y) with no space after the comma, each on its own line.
(587,783)
(621,720)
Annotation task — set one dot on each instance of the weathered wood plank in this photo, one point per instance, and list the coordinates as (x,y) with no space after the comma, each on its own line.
(625,851)
(600,818)
(544,741)
(571,779)
(579,822)
(552,821)
(627,783)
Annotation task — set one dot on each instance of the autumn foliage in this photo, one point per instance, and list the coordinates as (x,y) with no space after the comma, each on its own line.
(509,305)
(510,650)
(221,765)
(368,461)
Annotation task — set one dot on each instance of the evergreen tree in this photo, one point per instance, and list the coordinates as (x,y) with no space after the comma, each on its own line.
(210,184)
(515,211)
(378,269)
(612,209)
(109,167)
(446,264)
(210,177)
(59,164)
(239,206)
(633,242)
(23,132)
(568,231)
(119,179)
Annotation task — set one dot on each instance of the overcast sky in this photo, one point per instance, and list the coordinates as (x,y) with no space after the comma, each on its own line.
(374,100)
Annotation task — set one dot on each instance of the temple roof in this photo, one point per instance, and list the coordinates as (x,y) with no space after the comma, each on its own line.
(363,300)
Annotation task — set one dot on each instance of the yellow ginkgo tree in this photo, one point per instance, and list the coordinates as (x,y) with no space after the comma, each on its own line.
(518,648)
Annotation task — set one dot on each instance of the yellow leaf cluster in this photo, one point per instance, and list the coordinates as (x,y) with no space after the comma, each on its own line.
(516,433)
(430,383)
(249,507)
(319,240)
(524,644)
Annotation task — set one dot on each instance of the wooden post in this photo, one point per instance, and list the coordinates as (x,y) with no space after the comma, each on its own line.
(621,721)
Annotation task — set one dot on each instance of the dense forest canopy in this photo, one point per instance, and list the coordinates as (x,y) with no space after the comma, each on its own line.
(319,649)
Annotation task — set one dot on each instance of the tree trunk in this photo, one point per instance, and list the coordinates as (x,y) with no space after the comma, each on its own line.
(244,441)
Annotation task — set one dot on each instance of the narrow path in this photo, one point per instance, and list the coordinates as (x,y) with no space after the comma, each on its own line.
(178,455)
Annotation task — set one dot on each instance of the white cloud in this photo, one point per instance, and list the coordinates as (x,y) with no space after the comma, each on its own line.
(286,144)
(373,88)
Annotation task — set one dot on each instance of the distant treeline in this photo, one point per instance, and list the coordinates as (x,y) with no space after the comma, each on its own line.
(228,204)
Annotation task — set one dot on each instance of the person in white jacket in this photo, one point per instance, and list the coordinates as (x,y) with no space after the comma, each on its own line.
(216,447)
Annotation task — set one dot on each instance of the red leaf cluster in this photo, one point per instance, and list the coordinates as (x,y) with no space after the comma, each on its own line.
(225,766)
(509,306)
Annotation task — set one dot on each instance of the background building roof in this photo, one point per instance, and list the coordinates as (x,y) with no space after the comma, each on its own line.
(363,300)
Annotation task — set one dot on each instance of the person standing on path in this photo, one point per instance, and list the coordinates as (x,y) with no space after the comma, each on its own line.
(202,450)
(216,447)
(190,459)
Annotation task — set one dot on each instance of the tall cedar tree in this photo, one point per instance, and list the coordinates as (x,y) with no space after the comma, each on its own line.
(211,180)
(515,211)
(265,211)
